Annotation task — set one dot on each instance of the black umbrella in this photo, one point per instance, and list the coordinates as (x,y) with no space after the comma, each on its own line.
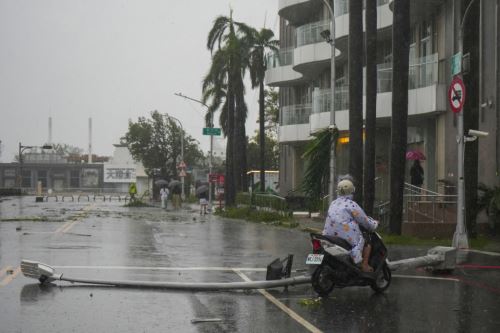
(201,189)
(161,182)
(174,183)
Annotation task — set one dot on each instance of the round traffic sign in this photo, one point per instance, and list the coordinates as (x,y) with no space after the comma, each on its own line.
(456,94)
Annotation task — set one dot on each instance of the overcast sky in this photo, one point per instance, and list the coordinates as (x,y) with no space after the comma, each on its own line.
(112,60)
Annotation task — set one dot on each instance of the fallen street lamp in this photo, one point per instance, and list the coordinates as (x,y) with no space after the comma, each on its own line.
(21,161)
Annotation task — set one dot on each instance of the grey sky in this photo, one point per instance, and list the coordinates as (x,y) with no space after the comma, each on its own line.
(111,60)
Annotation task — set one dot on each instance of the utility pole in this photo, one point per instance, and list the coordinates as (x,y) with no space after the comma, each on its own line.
(329,36)
(210,160)
(460,239)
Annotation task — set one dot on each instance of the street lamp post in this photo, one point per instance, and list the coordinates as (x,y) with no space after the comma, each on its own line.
(460,239)
(182,152)
(210,161)
(21,162)
(329,36)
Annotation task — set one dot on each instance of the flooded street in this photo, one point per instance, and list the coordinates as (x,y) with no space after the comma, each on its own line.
(104,240)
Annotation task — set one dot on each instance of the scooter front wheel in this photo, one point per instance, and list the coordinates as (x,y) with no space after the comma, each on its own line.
(322,281)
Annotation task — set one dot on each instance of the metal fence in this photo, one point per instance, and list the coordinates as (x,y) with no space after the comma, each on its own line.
(424,206)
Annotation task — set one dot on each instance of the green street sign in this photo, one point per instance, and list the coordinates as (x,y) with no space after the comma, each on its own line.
(456,63)
(211,131)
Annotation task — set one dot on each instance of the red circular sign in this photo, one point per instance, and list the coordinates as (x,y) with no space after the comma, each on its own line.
(456,94)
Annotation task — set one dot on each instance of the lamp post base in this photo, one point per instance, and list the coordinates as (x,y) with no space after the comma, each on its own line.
(460,240)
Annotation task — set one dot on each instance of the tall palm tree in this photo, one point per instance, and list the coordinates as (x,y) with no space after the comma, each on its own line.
(371,105)
(399,119)
(262,41)
(356,95)
(229,63)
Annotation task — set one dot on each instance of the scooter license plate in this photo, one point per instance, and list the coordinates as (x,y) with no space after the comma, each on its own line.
(314,259)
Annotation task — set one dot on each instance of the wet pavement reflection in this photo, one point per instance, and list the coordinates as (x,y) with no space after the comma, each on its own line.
(108,241)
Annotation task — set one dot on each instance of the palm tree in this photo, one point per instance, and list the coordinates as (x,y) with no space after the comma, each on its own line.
(356,95)
(261,42)
(229,63)
(371,105)
(399,119)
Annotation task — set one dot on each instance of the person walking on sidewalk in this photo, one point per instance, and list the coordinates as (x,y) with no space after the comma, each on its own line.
(164,193)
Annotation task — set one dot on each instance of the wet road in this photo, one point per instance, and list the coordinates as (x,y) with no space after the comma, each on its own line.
(107,241)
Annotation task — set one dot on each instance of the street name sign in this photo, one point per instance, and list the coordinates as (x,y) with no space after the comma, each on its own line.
(456,63)
(211,131)
(456,94)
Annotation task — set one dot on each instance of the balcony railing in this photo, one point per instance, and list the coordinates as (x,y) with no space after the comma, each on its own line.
(310,33)
(322,99)
(283,57)
(295,114)
(423,72)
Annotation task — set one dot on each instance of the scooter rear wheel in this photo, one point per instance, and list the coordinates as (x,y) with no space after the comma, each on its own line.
(322,281)
(383,281)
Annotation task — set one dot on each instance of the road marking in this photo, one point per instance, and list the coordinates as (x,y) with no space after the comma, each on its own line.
(68,225)
(4,270)
(475,266)
(10,277)
(425,277)
(281,306)
(156,268)
(496,254)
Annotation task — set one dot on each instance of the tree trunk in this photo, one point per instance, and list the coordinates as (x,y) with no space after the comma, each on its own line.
(471,116)
(229,189)
(262,138)
(239,166)
(356,96)
(400,51)
(371,105)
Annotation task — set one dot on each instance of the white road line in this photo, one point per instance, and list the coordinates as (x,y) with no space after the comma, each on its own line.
(496,254)
(310,327)
(424,277)
(222,269)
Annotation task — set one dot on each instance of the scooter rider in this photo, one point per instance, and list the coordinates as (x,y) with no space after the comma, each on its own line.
(344,219)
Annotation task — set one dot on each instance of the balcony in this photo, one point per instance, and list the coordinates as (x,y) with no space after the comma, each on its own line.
(279,69)
(423,72)
(297,12)
(295,114)
(322,99)
(426,94)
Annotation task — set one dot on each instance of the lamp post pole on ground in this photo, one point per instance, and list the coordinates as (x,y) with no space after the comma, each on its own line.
(210,161)
(182,153)
(330,39)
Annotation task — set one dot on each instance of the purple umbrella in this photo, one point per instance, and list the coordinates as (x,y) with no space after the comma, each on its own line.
(415,155)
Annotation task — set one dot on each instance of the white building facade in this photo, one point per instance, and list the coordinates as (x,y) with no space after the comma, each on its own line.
(301,70)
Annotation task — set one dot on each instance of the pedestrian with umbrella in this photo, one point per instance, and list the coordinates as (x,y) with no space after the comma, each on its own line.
(202,193)
(175,186)
(416,170)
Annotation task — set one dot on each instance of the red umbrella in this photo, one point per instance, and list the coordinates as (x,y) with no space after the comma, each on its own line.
(415,155)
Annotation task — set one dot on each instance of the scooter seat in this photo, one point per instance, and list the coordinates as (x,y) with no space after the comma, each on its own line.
(339,241)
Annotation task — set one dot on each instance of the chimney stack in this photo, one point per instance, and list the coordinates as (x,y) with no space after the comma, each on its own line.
(90,141)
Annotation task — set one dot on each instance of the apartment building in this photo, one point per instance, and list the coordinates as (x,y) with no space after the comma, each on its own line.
(301,70)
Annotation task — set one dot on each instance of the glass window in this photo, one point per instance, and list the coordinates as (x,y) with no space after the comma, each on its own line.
(26,178)
(75,179)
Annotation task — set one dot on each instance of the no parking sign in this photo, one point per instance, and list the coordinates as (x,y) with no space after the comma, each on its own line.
(456,94)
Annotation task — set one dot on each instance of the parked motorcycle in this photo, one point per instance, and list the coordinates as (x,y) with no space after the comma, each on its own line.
(335,268)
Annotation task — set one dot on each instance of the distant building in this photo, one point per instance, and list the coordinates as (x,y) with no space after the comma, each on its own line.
(72,173)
